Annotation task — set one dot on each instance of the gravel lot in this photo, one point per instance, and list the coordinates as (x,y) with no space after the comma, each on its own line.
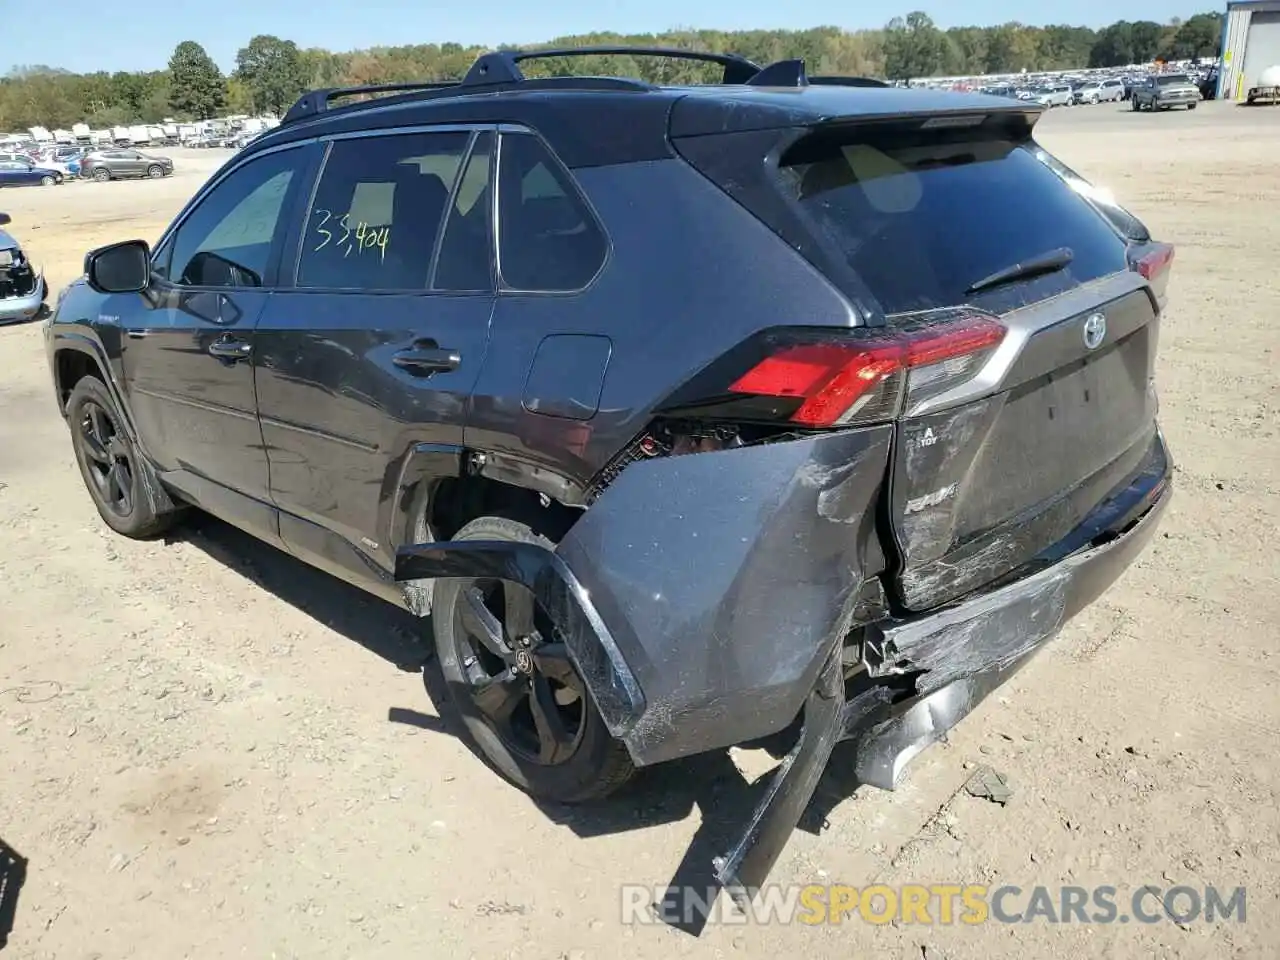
(209,750)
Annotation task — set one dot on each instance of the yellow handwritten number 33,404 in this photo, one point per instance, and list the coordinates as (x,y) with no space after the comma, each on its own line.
(363,237)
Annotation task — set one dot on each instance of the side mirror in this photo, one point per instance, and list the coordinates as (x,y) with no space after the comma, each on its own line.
(119,268)
(5,220)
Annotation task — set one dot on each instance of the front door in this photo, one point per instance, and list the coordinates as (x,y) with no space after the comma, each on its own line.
(189,340)
(376,348)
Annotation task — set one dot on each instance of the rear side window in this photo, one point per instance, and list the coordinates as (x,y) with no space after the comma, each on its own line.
(377,211)
(548,239)
(921,216)
(465,263)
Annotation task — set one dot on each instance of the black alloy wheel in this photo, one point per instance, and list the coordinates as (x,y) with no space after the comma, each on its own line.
(108,459)
(518,673)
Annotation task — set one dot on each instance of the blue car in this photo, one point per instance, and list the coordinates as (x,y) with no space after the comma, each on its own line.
(16,173)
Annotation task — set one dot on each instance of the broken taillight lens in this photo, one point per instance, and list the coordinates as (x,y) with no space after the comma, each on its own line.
(824,378)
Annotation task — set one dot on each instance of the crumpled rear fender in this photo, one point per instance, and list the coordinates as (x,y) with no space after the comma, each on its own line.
(701,594)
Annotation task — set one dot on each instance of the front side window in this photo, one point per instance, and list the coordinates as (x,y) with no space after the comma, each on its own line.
(378,210)
(548,239)
(226,241)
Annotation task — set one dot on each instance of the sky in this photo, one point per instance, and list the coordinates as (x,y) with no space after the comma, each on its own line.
(142,37)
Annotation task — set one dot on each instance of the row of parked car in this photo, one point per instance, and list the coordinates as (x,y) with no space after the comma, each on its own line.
(54,165)
(1154,91)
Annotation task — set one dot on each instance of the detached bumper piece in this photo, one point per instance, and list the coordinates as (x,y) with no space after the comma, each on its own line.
(955,659)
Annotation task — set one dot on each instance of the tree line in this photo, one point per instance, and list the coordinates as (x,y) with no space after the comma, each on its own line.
(271,72)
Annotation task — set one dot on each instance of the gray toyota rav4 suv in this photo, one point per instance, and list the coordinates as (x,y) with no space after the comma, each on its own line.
(780,409)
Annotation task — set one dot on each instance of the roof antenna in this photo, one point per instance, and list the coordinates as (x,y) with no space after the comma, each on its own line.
(784,73)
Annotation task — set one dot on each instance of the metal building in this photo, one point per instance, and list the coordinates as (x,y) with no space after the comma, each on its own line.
(1250,44)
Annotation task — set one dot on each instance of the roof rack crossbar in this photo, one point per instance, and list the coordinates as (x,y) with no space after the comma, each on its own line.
(503,66)
(317,101)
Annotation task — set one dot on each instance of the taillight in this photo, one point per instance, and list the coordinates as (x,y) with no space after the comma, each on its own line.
(824,378)
(1152,265)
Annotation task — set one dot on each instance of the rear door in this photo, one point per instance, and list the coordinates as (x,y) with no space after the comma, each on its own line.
(376,347)
(1004,450)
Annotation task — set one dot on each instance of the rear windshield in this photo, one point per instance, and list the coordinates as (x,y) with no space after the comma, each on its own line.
(921,216)
(1171,79)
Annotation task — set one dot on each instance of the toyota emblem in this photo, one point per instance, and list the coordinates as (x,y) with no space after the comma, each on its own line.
(1095,331)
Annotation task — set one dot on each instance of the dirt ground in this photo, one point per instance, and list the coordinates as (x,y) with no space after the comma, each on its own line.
(208,750)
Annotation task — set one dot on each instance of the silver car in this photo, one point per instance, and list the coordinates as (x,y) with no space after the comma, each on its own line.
(1057,95)
(1101,91)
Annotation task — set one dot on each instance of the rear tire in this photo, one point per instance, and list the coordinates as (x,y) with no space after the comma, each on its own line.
(119,480)
(592,764)
(101,174)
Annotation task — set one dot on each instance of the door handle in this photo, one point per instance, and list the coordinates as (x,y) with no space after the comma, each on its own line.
(426,360)
(226,348)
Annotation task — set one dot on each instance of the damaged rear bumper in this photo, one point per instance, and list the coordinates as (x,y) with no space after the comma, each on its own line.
(953,658)
(707,601)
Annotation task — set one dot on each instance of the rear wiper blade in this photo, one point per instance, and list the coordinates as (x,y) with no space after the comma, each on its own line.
(1050,262)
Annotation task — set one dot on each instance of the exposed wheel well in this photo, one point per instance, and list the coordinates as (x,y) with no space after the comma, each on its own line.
(456,502)
(70,367)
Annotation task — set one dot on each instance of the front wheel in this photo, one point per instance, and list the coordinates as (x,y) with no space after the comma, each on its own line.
(112,468)
(1192,106)
(1135,105)
(155,172)
(515,687)
(48,181)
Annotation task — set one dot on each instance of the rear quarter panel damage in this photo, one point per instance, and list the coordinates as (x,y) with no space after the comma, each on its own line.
(727,577)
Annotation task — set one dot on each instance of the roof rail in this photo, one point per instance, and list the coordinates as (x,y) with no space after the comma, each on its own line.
(503,66)
(317,101)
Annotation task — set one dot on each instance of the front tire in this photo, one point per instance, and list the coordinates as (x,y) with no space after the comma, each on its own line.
(48,181)
(155,171)
(118,479)
(513,684)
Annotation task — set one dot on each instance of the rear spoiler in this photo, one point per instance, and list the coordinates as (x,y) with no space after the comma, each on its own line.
(858,103)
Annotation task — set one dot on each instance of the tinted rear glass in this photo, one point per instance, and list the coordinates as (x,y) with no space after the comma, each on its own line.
(1172,79)
(921,216)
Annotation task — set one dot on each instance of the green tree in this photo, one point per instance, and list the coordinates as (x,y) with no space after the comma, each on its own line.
(1114,46)
(273,71)
(196,85)
(913,47)
(1146,36)
(1198,37)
